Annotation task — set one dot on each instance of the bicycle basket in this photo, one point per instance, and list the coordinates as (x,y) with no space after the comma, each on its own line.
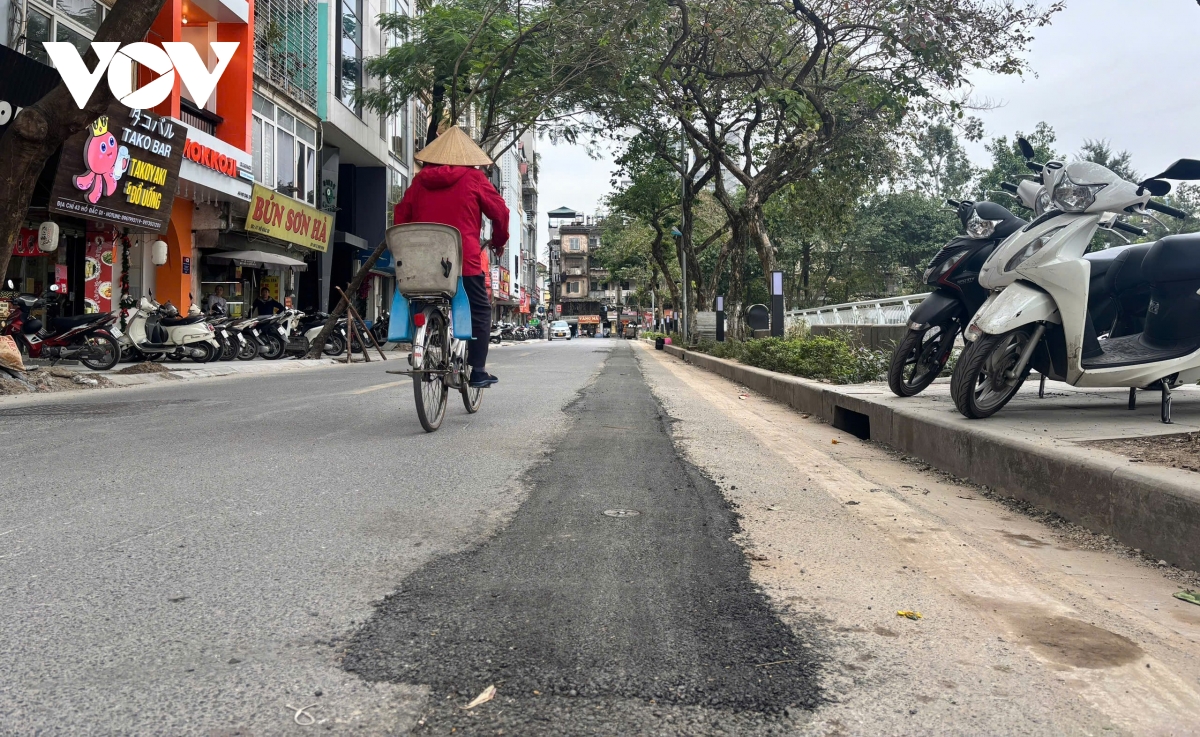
(428,258)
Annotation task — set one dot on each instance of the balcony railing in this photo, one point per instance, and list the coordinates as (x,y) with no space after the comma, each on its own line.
(285,47)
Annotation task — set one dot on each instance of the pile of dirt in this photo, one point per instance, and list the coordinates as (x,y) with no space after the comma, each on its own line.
(49,380)
(1174,451)
(145,367)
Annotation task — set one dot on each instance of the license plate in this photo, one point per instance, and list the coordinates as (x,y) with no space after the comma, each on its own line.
(255,331)
(282,331)
(116,332)
(241,339)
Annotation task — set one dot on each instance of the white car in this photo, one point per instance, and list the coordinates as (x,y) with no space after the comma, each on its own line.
(560,329)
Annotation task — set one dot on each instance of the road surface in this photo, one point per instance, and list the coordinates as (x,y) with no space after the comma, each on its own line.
(619,543)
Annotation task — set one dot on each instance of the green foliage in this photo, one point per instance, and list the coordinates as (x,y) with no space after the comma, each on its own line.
(1008,165)
(829,358)
(1099,151)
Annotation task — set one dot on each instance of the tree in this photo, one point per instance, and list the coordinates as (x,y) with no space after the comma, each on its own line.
(770,90)
(1008,165)
(40,129)
(504,65)
(937,164)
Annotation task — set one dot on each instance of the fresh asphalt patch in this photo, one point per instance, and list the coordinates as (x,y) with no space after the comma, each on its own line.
(594,623)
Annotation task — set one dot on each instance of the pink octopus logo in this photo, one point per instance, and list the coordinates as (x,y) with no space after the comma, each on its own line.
(106,162)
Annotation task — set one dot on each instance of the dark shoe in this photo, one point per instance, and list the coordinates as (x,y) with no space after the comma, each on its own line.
(481,379)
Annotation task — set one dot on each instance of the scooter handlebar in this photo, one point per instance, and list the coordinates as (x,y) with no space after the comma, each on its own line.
(1131,229)
(1008,187)
(1035,166)
(1166,210)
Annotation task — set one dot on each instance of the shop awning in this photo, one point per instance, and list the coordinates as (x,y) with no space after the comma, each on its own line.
(257,258)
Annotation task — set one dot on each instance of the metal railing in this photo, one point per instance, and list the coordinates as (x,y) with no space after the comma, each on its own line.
(890,311)
(285,46)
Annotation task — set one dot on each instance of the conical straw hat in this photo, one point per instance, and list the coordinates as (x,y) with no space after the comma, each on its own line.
(453,148)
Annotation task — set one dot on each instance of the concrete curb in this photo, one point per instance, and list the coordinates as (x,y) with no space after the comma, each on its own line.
(1153,508)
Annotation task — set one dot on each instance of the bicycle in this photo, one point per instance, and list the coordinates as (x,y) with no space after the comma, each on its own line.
(428,260)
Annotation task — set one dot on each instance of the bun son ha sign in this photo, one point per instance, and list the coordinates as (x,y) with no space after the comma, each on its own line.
(282,217)
(123,169)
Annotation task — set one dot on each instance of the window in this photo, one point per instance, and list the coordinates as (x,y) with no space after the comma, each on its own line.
(573,287)
(285,151)
(397,183)
(72,21)
(574,244)
(349,77)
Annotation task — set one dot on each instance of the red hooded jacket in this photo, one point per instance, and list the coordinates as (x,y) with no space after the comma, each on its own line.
(458,196)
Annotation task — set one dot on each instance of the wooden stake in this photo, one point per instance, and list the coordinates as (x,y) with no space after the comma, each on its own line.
(355,316)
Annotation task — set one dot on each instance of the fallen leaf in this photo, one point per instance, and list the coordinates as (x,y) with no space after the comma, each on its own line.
(835,441)
(488,694)
(851,502)
(908,614)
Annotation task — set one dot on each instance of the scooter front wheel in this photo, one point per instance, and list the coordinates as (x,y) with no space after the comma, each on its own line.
(981,385)
(248,350)
(919,358)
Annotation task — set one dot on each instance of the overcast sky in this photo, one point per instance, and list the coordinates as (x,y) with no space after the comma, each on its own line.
(1124,70)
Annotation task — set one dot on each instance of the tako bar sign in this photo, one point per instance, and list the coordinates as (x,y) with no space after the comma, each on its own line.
(279,216)
(123,169)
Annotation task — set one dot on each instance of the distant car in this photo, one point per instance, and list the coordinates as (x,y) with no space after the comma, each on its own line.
(560,329)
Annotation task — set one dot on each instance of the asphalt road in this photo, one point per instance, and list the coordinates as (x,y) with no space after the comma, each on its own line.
(290,553)
(190,558)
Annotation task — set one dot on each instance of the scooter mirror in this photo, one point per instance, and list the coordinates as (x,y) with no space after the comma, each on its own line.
(1184,169)
(1156,187)
(1026,148)
(10,284)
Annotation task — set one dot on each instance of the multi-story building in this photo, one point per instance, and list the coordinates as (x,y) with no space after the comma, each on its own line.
(576,293)
(188,167)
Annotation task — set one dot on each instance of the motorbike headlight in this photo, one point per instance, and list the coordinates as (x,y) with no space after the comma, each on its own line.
(1043,203)
(1072,197)
(937,271)
(979,228)
(1030,249)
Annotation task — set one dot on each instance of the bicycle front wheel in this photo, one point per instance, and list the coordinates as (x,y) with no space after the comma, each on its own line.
(429,386)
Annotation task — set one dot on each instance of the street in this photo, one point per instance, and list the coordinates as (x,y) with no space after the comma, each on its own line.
(620,543)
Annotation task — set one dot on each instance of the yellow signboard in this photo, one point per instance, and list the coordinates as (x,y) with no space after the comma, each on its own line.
(282,217)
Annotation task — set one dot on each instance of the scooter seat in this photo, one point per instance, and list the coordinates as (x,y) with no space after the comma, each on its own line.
(66,323)
(171,322)
(1175,258)
(1127,271)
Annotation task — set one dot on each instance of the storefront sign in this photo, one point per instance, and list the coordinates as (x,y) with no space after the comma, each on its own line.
(492,278)
(282,217)
(668,314)
(505,284)
(187,264)
(123,168)
(589,319)
(205,156)
(524,302)
(27,243)
(98,269)
(558,309)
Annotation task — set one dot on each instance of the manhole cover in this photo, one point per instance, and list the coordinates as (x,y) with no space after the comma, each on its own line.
(621,512)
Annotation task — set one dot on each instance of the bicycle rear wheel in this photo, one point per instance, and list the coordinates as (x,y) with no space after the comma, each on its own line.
(472,396)
(429,389)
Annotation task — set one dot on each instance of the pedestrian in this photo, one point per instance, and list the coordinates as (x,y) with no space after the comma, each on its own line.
(266,305)
(216,302)
(452,190)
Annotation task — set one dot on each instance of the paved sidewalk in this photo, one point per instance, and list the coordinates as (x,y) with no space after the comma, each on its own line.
(1034,449)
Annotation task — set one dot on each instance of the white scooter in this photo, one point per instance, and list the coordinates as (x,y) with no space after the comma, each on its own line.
(1037,315)
(155,334)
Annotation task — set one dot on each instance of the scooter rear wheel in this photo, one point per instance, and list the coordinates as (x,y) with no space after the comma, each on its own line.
(103,352)
(979,386)
(274,348)
(247,351)
(209,352)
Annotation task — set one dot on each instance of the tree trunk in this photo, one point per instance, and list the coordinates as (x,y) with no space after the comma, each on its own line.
(314,350)
(756,231)
(656,250)
(436,110)
(41,128)
(805,272)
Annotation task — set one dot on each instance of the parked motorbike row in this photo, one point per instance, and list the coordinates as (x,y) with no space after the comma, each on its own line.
(1026,295)
(155,332)
(509,331)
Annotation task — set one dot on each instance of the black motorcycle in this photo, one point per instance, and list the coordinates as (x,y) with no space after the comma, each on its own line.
(954,275)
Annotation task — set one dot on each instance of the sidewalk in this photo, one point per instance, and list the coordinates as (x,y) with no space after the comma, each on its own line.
(1034,449)
(187,370)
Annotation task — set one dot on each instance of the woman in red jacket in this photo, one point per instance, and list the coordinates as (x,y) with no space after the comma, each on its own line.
(450,190)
